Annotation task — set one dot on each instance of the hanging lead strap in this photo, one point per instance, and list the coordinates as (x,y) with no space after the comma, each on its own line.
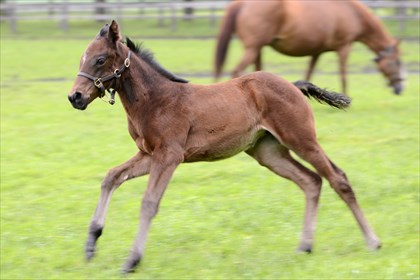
(112,96)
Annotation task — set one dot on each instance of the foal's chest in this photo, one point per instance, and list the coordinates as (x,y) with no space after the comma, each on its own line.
(138,137)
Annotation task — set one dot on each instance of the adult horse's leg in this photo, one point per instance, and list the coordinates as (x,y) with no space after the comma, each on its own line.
(163,165)
(343,54)
(250,56)
(137,166)
(258,65)
(271,154)
(311,66)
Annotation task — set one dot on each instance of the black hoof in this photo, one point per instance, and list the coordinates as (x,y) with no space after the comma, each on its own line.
(304,248)
(90,249)
(130,265)
(374,245)
(95,232)
(90,252)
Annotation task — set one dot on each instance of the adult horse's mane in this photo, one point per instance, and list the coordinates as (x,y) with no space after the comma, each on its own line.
(147,56)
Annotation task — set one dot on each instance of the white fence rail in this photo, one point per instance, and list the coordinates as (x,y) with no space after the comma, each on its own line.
(64,11)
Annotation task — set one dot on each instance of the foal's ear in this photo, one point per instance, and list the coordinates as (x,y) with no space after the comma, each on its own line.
(114,32)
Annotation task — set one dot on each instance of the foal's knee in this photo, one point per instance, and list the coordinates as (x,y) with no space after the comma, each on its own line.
(110,180)
(149,208)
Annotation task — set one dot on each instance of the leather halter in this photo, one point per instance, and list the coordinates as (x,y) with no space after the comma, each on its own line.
(98,81)
(382,54)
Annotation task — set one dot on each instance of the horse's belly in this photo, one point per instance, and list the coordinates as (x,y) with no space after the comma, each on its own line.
(213,147)
(293,47)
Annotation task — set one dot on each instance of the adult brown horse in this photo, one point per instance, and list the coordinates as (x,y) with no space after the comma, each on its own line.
(172,121)
(307,28)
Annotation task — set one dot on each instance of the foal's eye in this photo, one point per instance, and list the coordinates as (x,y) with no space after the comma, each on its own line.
(101,60)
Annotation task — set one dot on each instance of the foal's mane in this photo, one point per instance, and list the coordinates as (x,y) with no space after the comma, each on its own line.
(147,56)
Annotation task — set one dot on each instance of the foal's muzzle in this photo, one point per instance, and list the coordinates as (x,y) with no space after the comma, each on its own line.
(76,99)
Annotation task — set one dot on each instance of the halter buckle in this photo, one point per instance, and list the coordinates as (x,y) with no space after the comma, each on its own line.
(98,83)
(117,73)
(127,62)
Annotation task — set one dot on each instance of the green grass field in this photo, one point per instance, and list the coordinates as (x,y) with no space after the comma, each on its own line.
(225,220)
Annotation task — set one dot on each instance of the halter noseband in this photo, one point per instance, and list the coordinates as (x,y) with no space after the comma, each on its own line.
(382,54)
(98,81)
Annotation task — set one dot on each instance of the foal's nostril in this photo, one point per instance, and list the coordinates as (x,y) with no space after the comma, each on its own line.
(75,97)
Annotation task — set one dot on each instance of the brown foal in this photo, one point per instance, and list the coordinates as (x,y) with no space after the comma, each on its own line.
(173,122)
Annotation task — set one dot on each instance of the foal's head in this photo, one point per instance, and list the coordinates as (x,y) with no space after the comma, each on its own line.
(388,62)
(100,66)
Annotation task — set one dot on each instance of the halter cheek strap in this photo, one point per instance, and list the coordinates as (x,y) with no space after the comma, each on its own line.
(98,81)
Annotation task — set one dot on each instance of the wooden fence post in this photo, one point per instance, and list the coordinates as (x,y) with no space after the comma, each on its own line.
(401,12)
(212,16)
(161,16)
(64,16)
(13,21)
(173,18)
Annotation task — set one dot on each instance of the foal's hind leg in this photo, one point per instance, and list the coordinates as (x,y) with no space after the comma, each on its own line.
(313,153)
(271,154)
(137,166)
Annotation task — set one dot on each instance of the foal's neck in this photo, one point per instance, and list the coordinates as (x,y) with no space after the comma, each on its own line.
(140,85)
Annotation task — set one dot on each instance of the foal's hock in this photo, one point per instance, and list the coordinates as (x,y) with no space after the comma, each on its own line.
(173,121)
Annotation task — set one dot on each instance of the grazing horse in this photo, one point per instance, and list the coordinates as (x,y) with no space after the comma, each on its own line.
(307,28)
(173,121)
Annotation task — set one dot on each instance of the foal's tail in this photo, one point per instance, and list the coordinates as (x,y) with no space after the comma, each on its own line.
(331,98)
(226,31)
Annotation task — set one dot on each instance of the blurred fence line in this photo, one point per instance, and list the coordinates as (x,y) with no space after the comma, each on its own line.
(64,11)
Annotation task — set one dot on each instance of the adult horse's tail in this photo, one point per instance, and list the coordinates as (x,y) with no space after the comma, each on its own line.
(226,30)
(334,99)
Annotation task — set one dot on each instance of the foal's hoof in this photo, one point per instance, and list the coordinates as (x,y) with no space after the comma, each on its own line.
(89,255)
(374,245)
(304,248)
(90,252)
(130,266)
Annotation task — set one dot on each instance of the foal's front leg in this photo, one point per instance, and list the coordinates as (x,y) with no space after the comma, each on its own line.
(163,165)
(137,166)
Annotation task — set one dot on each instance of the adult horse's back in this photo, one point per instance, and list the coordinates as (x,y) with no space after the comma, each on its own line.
(307,28)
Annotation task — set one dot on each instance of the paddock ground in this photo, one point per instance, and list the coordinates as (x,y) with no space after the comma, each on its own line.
(229,219)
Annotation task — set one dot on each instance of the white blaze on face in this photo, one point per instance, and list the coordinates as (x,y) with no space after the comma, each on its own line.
(84,58)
